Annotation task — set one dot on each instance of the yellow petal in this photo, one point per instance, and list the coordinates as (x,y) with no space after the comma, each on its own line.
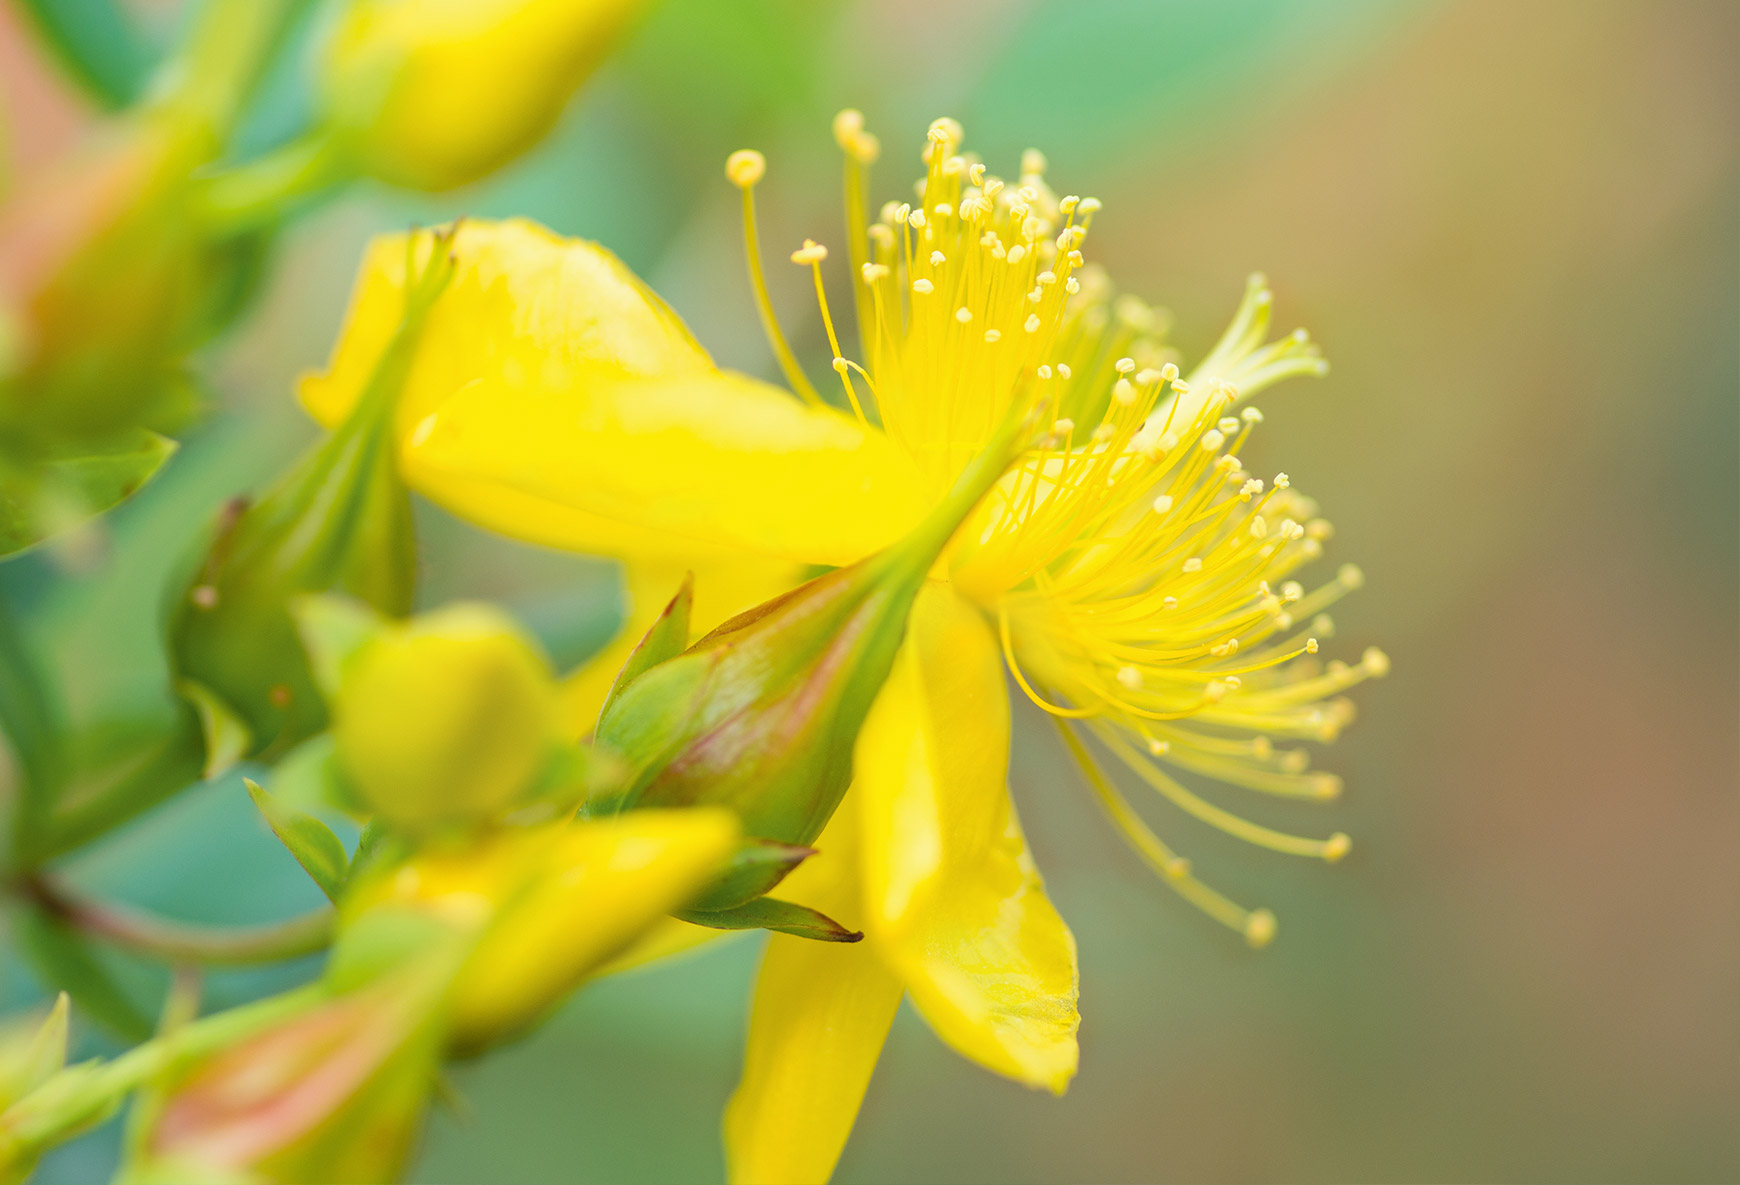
(954,902)
(593,888)
(722,461)
(555,398)
(723,589)
(822,1011)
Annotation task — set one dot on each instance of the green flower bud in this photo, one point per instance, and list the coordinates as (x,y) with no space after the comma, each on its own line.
(332,1094)
(761,714)
(448,719)
(339,521)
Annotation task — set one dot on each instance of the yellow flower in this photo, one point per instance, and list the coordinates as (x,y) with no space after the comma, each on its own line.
(1129,572)
(434,94)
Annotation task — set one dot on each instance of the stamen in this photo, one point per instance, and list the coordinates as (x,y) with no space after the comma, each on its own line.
(744,168)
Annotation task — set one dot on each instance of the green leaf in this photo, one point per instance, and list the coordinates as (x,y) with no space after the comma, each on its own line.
(41,497)
(30,718)
(316,848)
(97,44)
(333,629)
(309,777)
(32,1050)
(67,961)
(667,638)
(227,737)
(767,913)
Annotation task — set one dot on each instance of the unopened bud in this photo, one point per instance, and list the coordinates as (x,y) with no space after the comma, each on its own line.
(445,720)
(434,95)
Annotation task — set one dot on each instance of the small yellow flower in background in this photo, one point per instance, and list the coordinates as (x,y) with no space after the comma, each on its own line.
(434,94)
(1130,572)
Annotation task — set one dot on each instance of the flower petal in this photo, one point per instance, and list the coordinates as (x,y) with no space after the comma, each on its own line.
(953,900)
(556,398)
(822,1011)
(720,460)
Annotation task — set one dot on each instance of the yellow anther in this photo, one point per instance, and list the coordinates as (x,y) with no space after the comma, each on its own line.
(976,173)
(1291,591)
(1032,163)
(1148,376)
(1130,678)
(992,336)
(1193,564)
(1158,747)
(1336,846)
(811,252)
(1169,602)
(745,167)
(1032,323)
(1169,373)
(1067,206)
(1124,392)
(1350,576)
(1310,645)
(937,259)
(1252,415)
(848,125)
(1089,205)
(1124,365)
(1282,481)
(1163,504)
(1212,440)
(1062,427)
(963,314)
(923,287)
(874,272)
(1043,372)
(1375,662)
(1063,370)
(1260,929)
(1228,424)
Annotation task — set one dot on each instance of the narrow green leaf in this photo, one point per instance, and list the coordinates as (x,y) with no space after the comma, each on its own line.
(31,1051)
(767,913)
(316,848)
(65,960)
(97,45)
(667,638)
(30,718)
(333,629)
(45,496)
(227,737)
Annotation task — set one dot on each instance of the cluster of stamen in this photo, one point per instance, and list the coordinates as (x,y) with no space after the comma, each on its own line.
(1139,576)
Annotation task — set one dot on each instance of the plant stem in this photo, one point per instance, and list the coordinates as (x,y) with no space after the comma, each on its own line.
(181,942)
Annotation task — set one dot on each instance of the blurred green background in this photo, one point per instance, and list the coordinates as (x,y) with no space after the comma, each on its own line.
(1514,228)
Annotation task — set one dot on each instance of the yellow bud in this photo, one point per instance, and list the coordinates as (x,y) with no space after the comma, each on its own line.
(545,906)
(435,94)
(445,719)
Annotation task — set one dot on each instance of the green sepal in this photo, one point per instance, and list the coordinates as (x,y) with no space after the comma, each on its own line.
(769,913)
(320,853)
(667,638)
(227,736)
(66,959)
(333,630)
(754,869)
(40,497)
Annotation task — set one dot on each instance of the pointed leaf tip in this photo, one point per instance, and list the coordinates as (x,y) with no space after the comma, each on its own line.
(320,853)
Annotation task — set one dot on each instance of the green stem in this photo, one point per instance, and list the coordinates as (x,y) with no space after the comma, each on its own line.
(256,193)
(181,942)
(83,1095)
(224,58)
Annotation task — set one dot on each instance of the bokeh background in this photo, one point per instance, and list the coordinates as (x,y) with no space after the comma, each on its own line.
(1514,228)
